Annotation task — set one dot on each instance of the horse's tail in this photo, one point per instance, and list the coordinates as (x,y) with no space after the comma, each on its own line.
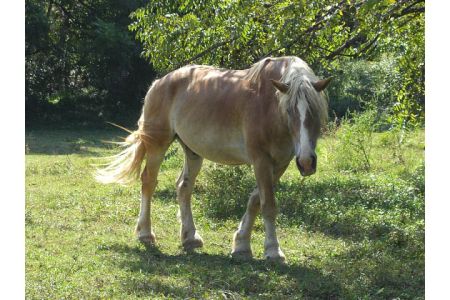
(124,167)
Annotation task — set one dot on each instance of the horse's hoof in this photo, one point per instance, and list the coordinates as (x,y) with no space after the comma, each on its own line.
(278,259)
(190,245)
(274,254)
(242,255)
(148,239)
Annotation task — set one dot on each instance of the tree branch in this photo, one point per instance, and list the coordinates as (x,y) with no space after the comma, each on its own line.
(369,45)
(410,9)
(344,46)
(313,28)
(49,9)
(204,52)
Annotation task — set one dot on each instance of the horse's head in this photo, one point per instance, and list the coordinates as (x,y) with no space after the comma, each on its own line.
(306,111)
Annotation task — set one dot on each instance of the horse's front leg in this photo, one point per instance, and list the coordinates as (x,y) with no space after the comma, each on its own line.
(264,172)
(241,239)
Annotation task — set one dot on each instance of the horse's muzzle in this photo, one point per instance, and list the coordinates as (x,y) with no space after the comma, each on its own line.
(307,166)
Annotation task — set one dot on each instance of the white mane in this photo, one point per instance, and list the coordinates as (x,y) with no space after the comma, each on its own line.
(300,78)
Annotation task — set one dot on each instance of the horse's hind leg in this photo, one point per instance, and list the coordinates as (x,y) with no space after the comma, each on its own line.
(241,239)
(190,239)
(144,231)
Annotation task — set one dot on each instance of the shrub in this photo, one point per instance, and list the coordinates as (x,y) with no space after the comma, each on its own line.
(225,190)
(361,83)
(393,140)
(353,148)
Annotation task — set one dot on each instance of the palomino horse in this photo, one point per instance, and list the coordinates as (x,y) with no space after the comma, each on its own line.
(262,116)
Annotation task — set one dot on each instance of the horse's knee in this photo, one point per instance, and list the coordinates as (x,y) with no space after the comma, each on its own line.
(269,211)
(184,186)
(253,203)
(182,183)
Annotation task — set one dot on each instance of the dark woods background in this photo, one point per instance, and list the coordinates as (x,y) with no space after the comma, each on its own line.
(91,61)
(83,65)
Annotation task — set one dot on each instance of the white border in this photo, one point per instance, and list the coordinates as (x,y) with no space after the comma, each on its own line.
(12,258)
(437,153)
(12,128)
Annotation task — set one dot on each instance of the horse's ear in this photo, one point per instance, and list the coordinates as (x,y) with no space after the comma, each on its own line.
(282,87)
(322,84)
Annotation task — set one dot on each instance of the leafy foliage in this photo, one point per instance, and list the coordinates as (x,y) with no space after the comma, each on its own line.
(355,139)
(361,84)
(407,42)
(222,197)
(83,64)
(236,33)
(327,34)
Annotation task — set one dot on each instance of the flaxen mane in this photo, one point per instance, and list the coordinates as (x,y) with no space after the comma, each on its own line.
(299,77)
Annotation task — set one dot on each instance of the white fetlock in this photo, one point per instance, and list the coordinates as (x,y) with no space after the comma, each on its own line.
(241,247)
(274,254)
(193,242)
(146,237)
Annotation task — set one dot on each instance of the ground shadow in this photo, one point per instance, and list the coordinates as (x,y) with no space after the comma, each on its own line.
(336,206)
(63,142)
(201,273)
(348,208)
(166,195)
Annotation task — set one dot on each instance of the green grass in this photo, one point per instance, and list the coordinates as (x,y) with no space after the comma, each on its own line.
(353,234)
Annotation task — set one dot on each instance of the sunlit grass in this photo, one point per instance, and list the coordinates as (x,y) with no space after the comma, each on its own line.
(346,234)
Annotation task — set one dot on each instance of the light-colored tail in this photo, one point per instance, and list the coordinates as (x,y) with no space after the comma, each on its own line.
(124,167)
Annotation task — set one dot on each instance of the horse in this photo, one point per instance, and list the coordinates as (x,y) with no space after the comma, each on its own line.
(261,116)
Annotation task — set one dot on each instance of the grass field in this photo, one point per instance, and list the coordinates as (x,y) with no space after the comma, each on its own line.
(347,232)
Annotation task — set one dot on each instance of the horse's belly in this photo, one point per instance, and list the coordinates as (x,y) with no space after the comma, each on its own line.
(229,151)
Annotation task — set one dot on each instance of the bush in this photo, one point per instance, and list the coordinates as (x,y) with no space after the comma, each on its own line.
(359,84)
(354,142)
(417,179)
(393,140)
(226,189)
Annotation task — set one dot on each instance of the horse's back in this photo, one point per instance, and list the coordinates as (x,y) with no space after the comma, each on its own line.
(215,112)
(208,114)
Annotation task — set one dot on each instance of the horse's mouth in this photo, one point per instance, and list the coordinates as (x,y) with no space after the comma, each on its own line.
(305,171)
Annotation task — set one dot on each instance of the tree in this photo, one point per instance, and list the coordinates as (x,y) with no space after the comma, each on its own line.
(324,33)
(82,63)
(237,33)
